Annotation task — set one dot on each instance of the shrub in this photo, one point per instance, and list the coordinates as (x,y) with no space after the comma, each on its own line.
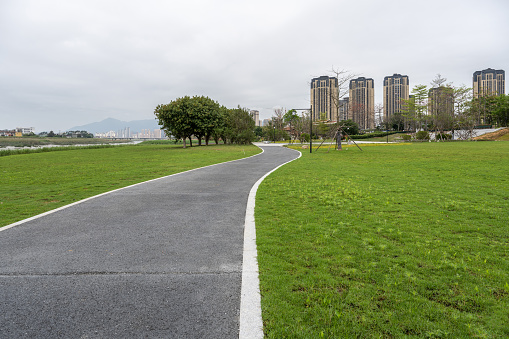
(371,135)
(304,137)
(443,136)
(422,135)
(406,137)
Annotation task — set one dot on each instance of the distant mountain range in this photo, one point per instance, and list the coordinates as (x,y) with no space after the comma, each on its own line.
(111,124)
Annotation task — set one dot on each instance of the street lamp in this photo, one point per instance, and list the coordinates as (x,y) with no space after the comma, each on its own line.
(387,131)
(274,127)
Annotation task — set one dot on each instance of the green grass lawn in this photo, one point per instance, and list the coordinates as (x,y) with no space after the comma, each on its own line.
(396,241)
(38,182)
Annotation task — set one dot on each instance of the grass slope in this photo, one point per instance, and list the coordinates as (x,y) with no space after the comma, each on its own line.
(39,182)
(396,241)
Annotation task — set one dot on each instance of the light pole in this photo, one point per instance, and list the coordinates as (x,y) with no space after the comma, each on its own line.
(274,127)
(387,126)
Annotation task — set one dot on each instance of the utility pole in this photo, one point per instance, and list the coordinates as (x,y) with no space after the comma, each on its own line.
(311,131)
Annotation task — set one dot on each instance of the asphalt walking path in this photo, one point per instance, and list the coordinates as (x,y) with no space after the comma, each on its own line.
(162,259)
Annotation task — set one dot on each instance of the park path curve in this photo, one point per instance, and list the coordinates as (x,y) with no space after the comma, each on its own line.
(162,259)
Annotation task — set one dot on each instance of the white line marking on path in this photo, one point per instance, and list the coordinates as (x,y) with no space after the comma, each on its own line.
(251,324)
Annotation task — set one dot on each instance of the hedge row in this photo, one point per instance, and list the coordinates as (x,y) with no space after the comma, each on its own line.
(372,135)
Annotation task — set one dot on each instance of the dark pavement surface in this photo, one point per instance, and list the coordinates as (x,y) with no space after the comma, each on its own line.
(158,260)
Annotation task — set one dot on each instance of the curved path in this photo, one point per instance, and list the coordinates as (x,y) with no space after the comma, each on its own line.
(162,259)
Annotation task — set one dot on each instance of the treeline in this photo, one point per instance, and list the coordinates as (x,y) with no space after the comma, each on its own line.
(205,119)
(68,134)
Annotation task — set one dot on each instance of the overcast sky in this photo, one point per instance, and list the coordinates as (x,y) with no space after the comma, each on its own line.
(67,63)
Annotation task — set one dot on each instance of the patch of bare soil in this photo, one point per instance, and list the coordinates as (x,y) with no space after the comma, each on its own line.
(493,135)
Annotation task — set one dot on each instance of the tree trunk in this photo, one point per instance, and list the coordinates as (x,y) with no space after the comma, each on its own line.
(190,142)
(339,136)
(184,141)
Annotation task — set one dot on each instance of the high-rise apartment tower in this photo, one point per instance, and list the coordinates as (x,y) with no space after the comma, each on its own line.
(256,116)
(489,82)
(362,102)
(324,98)
(396,89)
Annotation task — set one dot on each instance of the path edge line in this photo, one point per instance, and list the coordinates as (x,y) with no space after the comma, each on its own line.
(17,223)
(250,322)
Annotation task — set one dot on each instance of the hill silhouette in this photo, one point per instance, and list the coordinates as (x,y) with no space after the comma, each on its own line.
(111,124)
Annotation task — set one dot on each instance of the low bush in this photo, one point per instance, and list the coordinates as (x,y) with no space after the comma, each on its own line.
(406,137)
(443,136)
(371,135)
(304,137)
(422,135)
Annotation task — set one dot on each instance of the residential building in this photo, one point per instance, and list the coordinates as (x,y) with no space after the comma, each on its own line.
(7,133)
(396,89)
(343,109)
(489,82)
(362,102)
(256,116)
(324,98)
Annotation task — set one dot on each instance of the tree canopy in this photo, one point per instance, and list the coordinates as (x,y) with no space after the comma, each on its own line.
(204,118)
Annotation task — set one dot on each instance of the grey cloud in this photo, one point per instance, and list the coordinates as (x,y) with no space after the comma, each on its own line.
(66,63)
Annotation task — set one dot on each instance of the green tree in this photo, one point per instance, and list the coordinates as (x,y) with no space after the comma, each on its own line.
(205,112)
(483,108)
(239,126)
(323,129)
(176,118)
(465,118)
(272,132)
(415,108)
(397,121)
(291,117)
(349,126)
(220,129)
(258,131)
(500,113)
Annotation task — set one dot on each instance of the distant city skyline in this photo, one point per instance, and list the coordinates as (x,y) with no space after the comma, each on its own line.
(358,103)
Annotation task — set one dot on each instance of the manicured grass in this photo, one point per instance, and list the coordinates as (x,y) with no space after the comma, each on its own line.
(38,182)
(396,241)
